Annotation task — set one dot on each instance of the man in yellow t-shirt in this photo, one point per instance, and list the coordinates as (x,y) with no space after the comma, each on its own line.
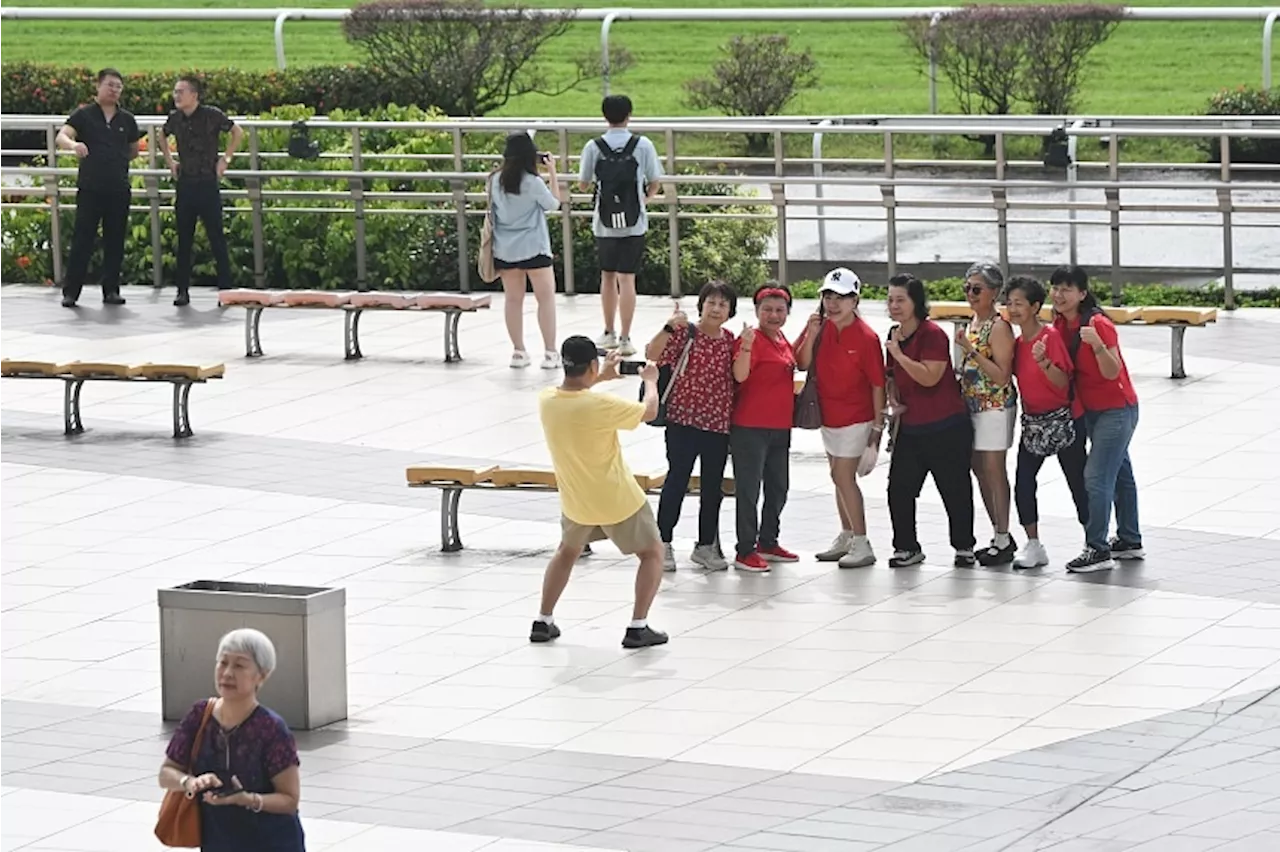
(599,497)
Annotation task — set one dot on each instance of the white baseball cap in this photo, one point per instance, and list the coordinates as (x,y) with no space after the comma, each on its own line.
(842,281)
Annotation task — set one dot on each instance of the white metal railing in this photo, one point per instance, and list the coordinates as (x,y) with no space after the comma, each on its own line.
(608,17)
(456,176)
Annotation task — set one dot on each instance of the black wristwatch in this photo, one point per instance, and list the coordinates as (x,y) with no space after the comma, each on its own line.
(669,329)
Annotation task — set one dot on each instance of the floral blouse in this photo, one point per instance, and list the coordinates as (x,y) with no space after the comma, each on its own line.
(980,393)
(702,396)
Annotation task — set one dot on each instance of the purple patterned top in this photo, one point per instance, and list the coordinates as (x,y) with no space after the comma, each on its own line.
(255,751)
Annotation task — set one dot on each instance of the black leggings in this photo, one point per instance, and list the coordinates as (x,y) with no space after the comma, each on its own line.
(686,445)
(945,455)
(1071,459)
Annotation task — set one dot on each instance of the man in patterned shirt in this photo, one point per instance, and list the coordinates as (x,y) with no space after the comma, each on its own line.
(198,129)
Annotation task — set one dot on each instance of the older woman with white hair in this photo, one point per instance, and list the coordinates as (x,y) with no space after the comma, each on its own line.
(245,767)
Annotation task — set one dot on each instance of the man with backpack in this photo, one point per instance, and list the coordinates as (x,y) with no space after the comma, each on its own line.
(625,170)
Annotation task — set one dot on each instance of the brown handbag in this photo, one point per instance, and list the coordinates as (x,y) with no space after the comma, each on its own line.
(179,822)
(808,411)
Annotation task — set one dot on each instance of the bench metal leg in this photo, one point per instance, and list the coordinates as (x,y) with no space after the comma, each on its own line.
(252,340)
(451,351)
(1178,369)
(71,423)
(182,410)
(450,536)
(351,334)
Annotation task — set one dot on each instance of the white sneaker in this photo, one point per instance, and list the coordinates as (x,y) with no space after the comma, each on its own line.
(625,349)
(668,558)
(519,360)
(838,548)
(860,555)
(550,360)
(709,558)
(608,340)
(1032,555)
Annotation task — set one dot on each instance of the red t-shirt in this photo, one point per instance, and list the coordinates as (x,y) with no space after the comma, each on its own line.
(766,400)
(1094,391)
(1039,395)
(927,407)
(703,394)
(850,364)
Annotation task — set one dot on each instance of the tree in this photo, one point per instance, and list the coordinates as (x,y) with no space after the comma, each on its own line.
(758,75)
(999,56)
(462,57)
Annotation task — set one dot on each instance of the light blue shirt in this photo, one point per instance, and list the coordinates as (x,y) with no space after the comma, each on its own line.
(649,172)
(520,221)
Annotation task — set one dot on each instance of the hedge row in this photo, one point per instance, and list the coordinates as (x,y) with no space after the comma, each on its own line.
(409,252)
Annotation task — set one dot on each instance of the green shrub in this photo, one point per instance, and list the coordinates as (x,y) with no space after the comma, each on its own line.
(1133,295)
(1244,100)
(316,250)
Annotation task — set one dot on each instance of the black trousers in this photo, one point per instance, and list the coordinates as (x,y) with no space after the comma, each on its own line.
(686,445)
(200,199)
(946,456)
(1071,459)
(760,456)
(109,208)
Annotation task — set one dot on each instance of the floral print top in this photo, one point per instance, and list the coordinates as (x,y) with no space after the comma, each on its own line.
(702,396)
(980,393)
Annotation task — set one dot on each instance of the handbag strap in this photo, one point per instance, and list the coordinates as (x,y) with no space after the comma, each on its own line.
(199,740)
(680,366)
(811,374)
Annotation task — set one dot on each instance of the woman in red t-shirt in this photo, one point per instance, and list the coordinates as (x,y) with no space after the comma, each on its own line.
(764,367)
(1052,422)
(699,408)
(1111,413)
(935,432)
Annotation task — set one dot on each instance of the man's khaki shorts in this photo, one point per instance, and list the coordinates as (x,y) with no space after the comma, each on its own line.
(638,532)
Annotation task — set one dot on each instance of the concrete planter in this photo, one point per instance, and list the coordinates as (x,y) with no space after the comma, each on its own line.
(307,624)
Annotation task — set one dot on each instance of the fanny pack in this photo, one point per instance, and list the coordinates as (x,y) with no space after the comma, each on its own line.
(1048,434)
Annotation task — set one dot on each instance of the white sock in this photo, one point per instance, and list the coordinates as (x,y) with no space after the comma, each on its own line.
(1033,541)
(638,624)
(547,619)
(854,538)
(1002,539)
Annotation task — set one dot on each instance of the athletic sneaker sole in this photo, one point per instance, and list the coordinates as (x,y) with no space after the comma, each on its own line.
(1091,569)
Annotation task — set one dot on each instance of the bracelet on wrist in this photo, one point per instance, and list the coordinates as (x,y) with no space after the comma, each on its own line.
(257,803)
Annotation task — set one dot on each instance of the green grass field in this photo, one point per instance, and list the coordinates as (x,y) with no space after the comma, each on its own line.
(1146,68)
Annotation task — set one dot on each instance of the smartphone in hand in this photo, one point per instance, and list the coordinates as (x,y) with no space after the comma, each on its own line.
(630,368)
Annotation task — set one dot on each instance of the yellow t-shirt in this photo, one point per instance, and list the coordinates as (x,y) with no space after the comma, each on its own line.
(596,486)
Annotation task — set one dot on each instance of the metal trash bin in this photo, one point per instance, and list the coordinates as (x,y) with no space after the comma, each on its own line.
(307,624)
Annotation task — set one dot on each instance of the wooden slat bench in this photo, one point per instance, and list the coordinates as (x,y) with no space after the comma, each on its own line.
(1176,319)
(76,373)
(452,481)
(353,305)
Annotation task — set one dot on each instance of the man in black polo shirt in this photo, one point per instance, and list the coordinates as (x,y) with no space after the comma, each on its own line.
(105,139)
(200,166)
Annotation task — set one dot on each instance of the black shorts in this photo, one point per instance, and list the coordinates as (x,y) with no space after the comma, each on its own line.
(620,254)
(538,261)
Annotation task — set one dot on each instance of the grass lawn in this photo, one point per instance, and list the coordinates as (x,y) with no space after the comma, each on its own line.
(1146,68)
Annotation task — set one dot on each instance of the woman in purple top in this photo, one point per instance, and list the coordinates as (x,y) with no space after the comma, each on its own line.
(246,773)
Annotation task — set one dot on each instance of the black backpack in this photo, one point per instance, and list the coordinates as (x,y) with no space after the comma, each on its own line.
(617,192)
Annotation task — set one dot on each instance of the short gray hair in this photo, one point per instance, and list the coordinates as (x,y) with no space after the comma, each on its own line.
(988,272)
(253,644)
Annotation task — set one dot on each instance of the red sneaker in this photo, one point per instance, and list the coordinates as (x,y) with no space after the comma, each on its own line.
(751,562)
(777,554)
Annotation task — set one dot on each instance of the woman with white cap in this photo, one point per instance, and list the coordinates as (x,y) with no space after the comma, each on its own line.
(844,355)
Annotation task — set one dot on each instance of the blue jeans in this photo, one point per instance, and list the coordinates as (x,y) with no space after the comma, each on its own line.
(1108,477)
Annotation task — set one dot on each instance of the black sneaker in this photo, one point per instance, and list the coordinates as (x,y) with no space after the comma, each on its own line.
(906,558)
(68,302)
(965,559)
(543,632)
(992,555)
(643,637)
(183,299)
(1091,560)
(114,299)
(1126,550)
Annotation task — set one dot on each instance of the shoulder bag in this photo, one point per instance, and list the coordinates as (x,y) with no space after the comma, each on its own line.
(484,260)
(808,411)
(667,376)
(178,825)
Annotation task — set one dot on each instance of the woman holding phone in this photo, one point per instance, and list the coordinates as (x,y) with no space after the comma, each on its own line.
(245,773)
(519,202)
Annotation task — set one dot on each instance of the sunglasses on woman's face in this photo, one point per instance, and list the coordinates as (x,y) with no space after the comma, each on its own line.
(974,289)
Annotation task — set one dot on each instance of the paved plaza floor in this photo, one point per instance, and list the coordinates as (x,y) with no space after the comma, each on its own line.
(809,710)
